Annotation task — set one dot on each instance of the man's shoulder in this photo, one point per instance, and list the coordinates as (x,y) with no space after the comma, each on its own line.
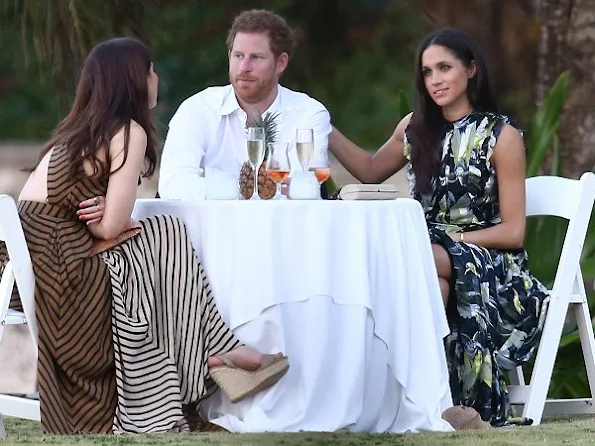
(210,97)
(292,98)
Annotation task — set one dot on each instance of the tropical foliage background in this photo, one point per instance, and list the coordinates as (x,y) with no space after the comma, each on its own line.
(356,56)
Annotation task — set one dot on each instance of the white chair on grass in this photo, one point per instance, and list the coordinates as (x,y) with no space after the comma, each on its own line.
(18,270)
(572,200)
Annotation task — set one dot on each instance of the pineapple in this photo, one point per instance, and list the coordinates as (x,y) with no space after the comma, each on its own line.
(266,186)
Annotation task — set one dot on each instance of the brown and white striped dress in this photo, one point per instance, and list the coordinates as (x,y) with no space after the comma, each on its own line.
(124,336)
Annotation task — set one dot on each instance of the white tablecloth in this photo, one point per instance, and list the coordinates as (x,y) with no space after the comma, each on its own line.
(347,289)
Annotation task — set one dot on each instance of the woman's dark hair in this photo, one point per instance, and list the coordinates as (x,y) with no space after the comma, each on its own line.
(426,128)
(112,91)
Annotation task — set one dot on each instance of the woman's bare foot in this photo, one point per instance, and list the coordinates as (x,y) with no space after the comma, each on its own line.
(243,357)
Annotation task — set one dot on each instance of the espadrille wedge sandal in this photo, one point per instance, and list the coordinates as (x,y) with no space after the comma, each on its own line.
(239,383)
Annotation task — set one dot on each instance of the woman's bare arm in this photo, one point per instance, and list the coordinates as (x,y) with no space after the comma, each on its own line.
(123,183)
(366,167)
(509,161)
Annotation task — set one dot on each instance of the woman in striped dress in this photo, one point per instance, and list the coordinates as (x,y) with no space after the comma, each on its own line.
(130,339)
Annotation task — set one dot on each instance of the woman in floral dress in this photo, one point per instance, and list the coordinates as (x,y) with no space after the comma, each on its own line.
(466,166)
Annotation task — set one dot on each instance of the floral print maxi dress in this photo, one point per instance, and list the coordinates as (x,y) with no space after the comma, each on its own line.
(498,307)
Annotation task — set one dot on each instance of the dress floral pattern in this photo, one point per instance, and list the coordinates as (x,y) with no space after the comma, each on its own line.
(498,306)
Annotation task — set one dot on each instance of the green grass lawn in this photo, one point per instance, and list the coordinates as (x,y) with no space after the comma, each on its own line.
(570,431)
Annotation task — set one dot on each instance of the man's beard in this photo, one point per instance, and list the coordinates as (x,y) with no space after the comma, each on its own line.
(254,95)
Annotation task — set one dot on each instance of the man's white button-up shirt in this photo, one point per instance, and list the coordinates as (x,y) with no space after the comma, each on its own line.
(208,131)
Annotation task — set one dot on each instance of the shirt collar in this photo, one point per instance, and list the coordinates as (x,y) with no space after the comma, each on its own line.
(231,104)
(276,105)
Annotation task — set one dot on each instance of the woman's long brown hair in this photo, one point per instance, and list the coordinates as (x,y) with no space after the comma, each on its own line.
(427,125)
(112,91)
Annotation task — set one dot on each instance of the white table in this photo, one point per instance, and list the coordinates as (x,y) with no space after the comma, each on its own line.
(347,289)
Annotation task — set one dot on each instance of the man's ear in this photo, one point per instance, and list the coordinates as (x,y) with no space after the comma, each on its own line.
(282,62)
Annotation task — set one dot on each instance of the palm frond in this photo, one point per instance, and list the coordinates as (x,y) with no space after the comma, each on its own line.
(60,34)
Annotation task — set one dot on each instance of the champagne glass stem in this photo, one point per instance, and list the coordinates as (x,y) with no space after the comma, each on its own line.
(255,193)
(278,193)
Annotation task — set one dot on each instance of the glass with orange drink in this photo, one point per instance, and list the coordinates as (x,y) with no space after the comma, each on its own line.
(322,173)
(278,166)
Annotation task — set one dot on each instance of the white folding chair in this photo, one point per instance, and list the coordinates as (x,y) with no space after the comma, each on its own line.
(18,270)
(572,200)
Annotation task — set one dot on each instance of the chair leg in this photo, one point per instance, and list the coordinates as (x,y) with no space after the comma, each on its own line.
(516,376)
(545,359)
(6,287)
(585,329)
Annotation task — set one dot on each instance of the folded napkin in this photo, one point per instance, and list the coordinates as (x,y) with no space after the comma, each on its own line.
(221,185)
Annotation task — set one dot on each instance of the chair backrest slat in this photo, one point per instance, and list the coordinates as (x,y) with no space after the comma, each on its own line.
(551,195)
(573,201)
(11,233)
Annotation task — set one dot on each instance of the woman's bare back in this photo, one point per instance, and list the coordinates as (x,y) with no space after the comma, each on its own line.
(36,187)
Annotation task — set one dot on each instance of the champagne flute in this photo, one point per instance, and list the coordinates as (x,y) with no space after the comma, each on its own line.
(304,146)
(278,166)
(255,148)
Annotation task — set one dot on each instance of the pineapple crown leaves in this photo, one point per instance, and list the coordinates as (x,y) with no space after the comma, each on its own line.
(268,122)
